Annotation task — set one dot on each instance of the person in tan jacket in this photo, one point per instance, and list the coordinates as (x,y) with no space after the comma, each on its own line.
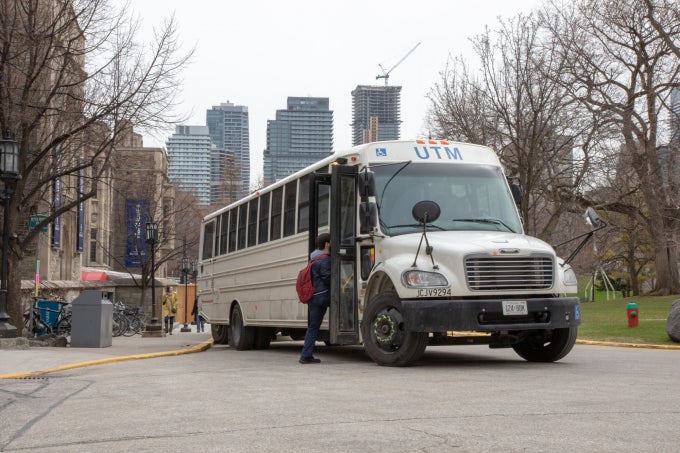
(169,309)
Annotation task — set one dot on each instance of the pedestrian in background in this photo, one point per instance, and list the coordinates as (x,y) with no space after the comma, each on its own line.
(169,309)
(200,325)
(321,281)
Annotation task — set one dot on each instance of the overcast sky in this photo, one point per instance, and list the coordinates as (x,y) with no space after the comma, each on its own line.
(257,53)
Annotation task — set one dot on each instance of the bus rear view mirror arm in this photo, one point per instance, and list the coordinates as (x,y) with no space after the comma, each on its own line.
(596,224)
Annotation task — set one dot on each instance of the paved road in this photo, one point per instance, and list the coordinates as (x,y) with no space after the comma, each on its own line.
(465,398)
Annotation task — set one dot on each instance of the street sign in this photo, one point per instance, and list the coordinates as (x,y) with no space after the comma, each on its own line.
(35,220)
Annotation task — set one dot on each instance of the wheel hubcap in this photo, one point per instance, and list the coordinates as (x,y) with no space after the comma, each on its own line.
(386,330)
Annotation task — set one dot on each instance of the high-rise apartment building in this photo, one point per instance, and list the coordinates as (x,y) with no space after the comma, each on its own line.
(375,113)
(230,133)
(189,150)
(299,136)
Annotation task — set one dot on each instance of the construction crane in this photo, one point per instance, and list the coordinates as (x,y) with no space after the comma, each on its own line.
(386,74)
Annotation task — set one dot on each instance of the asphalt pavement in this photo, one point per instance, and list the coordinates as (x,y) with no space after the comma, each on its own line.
(18,360)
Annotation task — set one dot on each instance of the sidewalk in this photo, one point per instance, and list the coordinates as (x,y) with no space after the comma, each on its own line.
(36,361)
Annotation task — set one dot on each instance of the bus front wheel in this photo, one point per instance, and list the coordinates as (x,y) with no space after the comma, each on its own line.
(385,339)
(242,337)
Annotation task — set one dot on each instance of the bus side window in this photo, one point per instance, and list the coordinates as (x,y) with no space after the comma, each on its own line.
(242,220)
(277,199)
(224,229)
(252,222)
(263,234)
(289,209)
(303,205)
(232,230)
(208,240)
(323,206)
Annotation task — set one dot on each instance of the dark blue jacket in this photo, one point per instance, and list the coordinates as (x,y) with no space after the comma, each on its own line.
(321,274)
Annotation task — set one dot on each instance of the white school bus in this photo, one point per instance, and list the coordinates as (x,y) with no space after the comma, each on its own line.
(427,247)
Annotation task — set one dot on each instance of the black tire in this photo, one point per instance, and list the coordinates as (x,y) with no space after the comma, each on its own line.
(385,340)
(547,345)
(130,330)
(263,337)
(220,333)
(242,338)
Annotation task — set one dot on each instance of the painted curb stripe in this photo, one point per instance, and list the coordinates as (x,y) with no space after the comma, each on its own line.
(28,374)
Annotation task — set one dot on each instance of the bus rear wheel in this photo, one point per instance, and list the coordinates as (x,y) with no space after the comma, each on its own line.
(385,340)
(242,337)
(220,333)
(547,345)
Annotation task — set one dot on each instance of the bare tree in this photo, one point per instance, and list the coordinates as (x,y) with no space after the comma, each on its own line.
(664,15)
(621,69)
(513,105)
(72,75)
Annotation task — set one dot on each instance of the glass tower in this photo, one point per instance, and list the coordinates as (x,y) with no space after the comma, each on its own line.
(230,133)
(299,136)
(189,152)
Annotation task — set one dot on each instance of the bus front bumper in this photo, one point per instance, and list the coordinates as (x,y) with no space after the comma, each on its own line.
(486,315)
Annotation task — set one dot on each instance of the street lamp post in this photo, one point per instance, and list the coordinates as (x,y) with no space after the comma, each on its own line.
(153,328)
(185,270)
(9,173)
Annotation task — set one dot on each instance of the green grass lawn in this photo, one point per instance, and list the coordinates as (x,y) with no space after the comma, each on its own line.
(604,320)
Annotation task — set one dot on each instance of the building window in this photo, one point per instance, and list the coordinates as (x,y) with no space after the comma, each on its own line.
(93,245)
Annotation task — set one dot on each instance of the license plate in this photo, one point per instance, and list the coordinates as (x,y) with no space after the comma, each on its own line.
(515,307)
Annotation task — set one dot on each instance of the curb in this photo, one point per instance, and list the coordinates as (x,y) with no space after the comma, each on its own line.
(29,374)
(628,345)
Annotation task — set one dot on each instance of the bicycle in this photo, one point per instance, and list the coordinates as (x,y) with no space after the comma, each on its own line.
(131,319)
(36,325)
(120,323)
(127,321)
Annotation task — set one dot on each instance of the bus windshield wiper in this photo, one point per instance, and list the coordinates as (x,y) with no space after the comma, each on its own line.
(415,225)
(481,220)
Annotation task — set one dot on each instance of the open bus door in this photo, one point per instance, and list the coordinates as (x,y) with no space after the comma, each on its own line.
(341,185)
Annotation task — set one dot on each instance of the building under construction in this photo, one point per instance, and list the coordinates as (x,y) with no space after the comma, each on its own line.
(375,113)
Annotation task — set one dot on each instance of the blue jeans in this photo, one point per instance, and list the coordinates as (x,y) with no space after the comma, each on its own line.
(317,310)
(199,324)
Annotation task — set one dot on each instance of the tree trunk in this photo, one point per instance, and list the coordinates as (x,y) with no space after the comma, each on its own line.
(666,270)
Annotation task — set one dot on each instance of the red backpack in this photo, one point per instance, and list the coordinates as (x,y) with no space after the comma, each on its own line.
(303,286)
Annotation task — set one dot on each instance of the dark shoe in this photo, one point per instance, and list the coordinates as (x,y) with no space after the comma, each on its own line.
(309,360)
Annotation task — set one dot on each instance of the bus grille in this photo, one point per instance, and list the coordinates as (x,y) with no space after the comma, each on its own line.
(509,273)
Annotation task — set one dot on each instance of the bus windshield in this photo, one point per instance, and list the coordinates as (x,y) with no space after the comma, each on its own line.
(471,197)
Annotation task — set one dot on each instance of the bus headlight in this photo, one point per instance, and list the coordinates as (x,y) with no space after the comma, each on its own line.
(421,279)
(570,277)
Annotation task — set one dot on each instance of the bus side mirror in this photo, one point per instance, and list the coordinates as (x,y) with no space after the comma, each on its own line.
(368,216)
(366,184)
(425,212)
(593,219)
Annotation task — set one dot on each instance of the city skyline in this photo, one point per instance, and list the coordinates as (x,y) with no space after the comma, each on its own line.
(306,49)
